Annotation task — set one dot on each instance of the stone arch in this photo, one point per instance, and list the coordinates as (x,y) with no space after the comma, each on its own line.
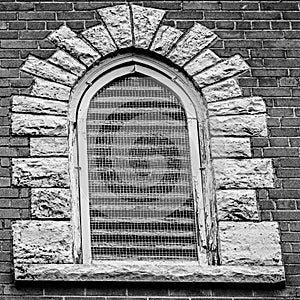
(233,119)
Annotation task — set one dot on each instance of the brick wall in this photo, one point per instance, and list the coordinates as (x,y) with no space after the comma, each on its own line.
(265,33)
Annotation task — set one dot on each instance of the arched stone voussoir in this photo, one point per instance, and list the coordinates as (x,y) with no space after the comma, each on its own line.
(68,40)
(203,60)
(228,68)
(67,62)
(145,23)
(99,37)
(118,22)
(192,43)
(48,71)
(165,38)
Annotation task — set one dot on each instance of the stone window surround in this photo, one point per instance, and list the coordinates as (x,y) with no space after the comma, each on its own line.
(232,119)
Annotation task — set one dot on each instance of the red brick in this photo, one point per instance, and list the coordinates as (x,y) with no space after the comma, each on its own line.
(284,132)
(266,34)
(262,15)
(18,44)
(8,16)
(280,25)
(36,16)
(83,15)
(185,15)
(267,81)
(267,53)
(269,92)
(281,43)
(36,25)
(33,35)
(258,25)
(172,5)
(53,6)
(223,15)
(288,173)
(279,142)
(234,5)
(90,5)
(269,72)
(199,5)
(285,204)
(280,152)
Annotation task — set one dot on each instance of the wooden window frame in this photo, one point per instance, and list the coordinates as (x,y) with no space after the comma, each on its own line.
(191,100)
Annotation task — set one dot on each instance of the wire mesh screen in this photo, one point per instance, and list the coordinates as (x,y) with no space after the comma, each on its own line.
(140,181)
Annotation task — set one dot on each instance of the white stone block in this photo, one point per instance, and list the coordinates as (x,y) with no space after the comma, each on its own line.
(196,39)
(42,242)
(40,172)
(246,105)
(165,38)
(50,203)
(99,37)
(225,69)
(203,60)
(250,243)
(243,173)
(230,147)
(118,23)
(149,271)
(238,125)
(38,105)
(49,146)
(222,90)
(67,62)
(145,23)
(67,40)
(48,71)
(47,89)
(237,205)
(26,124)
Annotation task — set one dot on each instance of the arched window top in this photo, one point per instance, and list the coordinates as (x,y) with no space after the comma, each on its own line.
(126,64)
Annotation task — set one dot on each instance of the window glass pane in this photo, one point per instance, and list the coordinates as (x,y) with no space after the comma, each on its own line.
(140,182)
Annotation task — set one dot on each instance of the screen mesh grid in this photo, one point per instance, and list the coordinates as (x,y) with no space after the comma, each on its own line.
(140,182)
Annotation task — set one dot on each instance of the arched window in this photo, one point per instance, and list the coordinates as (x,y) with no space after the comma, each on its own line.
(139,161)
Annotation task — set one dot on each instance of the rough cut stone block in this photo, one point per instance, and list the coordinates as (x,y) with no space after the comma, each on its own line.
(239,125)
(145,23)
(202,61)
(39,105)
(67,62)
(99,37)
(48,146)
(25,124)
(42,242)
(191,44)
(237,205)
(247,105)
(250,243)
(165,38)
(46,70)
(66,39)
(225,69)
(40,172)
(222,90)
(230,147)
(150,272)
(48,89)
(50,203)
(118,23)
(243,173)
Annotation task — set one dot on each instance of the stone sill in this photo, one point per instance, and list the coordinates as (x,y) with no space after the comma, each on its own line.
(162,271)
